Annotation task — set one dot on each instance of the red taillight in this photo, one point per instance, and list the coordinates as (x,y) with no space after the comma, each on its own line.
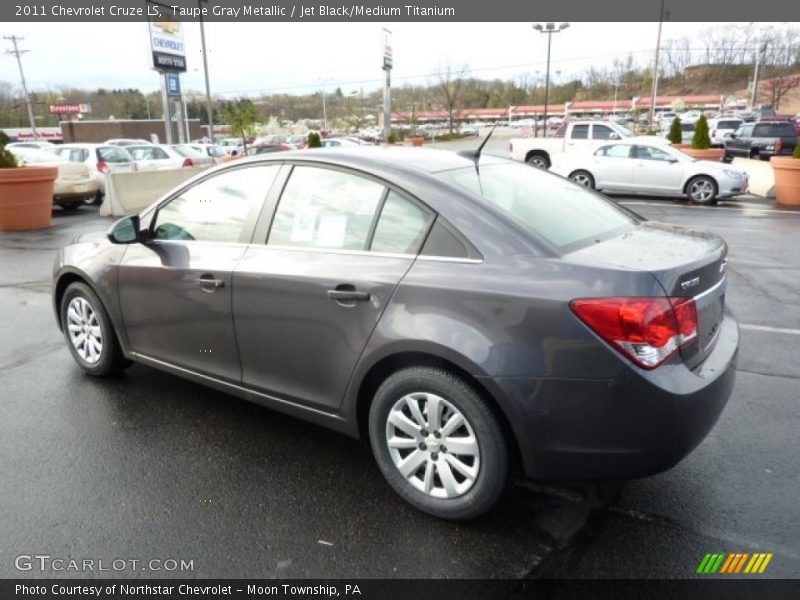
(102,167)
(187,162)
(778,145)
(646,330)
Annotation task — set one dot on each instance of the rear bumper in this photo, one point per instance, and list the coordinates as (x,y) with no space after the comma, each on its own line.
(635,425)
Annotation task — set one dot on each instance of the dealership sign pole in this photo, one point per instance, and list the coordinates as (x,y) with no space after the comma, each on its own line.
(387,89)
(169,59)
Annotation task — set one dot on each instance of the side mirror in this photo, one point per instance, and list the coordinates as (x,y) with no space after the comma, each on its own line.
(732,136)
(125,231)
(672,161)
(614,135)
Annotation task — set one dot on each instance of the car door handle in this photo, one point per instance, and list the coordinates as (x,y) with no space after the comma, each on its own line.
(208,281)
(347,293)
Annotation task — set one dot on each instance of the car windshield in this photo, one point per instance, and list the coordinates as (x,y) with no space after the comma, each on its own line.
(728,124)
(113,154)
(625,131)
(564,214)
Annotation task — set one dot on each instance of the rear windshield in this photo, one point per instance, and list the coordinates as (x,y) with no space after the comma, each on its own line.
(774,130)
(687,127)
(188,151)
(113,154)
(564,214)
(728,124)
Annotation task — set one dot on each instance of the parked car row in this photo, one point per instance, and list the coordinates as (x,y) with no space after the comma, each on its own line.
(74,184)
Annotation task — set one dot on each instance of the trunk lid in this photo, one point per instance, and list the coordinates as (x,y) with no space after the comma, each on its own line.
(686,263)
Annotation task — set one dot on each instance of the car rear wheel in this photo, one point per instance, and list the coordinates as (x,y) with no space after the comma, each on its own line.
(438,444)
(89,334)
(583,178)
(538,160)
(72,206)
(96,199)
(702,190)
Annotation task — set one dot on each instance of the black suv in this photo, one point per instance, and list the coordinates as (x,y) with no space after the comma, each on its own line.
(761,140)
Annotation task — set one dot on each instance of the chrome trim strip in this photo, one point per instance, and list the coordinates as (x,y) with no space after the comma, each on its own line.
(452,259)
(144,357)
(711,289)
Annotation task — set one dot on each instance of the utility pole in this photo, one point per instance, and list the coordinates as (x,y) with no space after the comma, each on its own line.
(754,94)
(17,52)
(388,63)
(209,106)
(656,67)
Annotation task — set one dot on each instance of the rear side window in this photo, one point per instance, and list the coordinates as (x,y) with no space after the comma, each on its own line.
(580,132)
(602,132)
(401,227)
(550,207)
(615,151)
(325,208)
(113,154)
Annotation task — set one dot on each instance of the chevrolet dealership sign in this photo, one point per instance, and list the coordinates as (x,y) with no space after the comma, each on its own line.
(166,42)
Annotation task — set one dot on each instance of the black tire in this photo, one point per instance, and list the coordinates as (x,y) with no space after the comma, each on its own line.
(727,158)
(583,178)
(493,467)
(71,206)
(702,181)
(111,360)
(755,155)
(540,160)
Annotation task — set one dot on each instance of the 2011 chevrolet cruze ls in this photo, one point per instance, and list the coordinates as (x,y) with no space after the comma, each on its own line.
(468,314)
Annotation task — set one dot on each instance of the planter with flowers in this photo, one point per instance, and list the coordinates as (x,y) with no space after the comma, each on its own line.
(787,178)
(26,194)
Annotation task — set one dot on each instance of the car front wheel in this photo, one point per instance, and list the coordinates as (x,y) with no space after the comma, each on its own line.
(88,331)
(583,178)
(438,443)
(702,190)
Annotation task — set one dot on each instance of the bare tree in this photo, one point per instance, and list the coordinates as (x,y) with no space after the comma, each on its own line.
(776,88)
(450,86)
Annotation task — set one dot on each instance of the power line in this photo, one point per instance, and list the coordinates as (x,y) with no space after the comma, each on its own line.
(18,53)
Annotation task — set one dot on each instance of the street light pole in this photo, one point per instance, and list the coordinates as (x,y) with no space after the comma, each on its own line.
(209,105)
(754,94)
(656,67)
(549,29)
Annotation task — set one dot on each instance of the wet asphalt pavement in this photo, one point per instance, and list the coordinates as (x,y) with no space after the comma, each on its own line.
(149,466)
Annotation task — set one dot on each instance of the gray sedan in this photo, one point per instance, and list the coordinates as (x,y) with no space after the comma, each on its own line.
(472,317)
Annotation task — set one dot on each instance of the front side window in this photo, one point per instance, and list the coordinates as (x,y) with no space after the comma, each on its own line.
(215,209)
(616,151)
(325,208)
(602,132)
(650,153)
(401,227)
(552,208)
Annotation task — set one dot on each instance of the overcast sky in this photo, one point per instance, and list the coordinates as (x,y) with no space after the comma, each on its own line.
(294,57)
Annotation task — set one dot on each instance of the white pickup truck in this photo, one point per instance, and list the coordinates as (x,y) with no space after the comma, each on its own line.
(575,135)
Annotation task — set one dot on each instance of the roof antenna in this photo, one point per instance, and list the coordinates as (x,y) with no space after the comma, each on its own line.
(475,155)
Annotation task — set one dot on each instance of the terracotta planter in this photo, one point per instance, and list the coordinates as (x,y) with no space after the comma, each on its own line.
(681,146)
(26,197)
(714,154)
(787,180)
(416,141)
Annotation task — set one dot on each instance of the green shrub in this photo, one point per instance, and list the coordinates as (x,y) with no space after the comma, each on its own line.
(4,139)
(392,138)
(7,160)
(675,131)
(314,141)
(796,152)
(701,140)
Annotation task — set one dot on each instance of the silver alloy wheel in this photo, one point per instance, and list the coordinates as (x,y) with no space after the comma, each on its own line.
(538,162)
(582,179)
(701,190)
(433,445)
(84,330)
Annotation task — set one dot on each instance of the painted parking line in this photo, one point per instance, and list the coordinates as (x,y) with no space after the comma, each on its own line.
(768,329)
(744,209)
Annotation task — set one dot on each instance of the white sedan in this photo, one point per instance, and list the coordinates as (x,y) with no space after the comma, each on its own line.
(651,168)
(154,157)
